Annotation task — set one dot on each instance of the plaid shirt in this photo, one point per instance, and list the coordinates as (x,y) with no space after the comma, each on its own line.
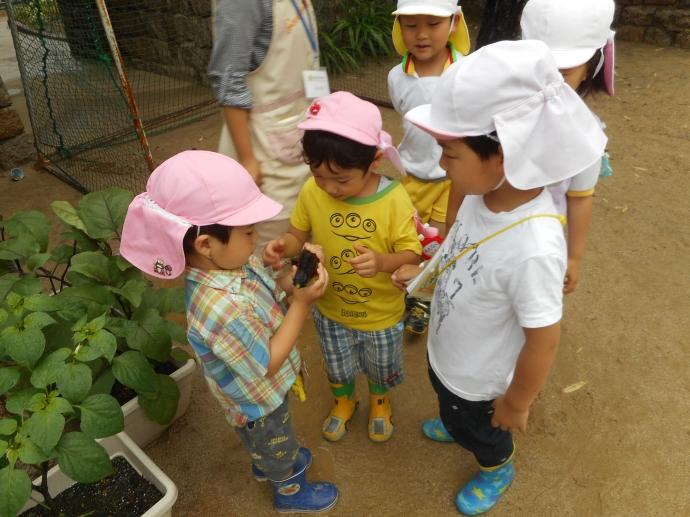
(232,315)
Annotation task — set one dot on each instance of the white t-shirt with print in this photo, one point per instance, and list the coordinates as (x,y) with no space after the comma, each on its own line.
(419,151)
(483,300)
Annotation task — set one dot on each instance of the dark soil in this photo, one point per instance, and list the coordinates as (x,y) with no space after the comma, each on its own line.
(123,494)
(123,394)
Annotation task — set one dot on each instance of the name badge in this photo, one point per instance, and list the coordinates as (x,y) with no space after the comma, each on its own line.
(316,84)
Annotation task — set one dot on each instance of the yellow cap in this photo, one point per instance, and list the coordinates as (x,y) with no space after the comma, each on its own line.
(460,38)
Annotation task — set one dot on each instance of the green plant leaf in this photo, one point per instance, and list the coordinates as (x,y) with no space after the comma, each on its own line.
(103,384)
(122,263)
(59,337)
(75,382)
(18,401)
(47,373)
(101,416)
(41,303)
(92,265)
(59,355)
(149,334)
(9,377)
(15,490)
(38,320)
(179,355)
(162,407)
(62,254)
(19,248)
(134,371)
(86,353)
(119,326)
(37,402)
(24,286)
(86,296)
(164,301)
(82,459)
(104,212)
(68,214)
(59,405)
(132,291)
(30,453)
(33,223)
(104,342)
(84,242)
(45,429)
(24,346)
(177,332)
(37,260)
(3,316)
(7,426)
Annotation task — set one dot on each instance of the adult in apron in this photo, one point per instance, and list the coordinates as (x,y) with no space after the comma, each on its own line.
(278,105)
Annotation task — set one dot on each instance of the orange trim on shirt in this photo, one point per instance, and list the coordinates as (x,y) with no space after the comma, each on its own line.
(580,193)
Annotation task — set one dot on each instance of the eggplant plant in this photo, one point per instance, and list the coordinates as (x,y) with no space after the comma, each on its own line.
(74,319)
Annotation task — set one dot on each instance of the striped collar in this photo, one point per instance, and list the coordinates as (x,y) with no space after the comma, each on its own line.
(408,64)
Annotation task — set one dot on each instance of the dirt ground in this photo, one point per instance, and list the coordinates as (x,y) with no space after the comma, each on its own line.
(619,446)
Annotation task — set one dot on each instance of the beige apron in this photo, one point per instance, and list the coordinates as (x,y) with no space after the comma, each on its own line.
(279,105)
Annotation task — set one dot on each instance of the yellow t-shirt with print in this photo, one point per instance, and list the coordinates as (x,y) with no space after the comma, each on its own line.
(383,223)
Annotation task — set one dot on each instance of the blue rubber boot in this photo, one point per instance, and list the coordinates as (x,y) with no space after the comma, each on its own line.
(434,429)
(296,495)
(485,489)
(260,476)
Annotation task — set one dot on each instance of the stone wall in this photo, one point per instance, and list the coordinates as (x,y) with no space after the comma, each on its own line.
(658,22)
(15,146)
(168,37)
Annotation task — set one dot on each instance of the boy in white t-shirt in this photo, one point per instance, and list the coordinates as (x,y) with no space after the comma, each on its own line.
(430,35)
(496,311)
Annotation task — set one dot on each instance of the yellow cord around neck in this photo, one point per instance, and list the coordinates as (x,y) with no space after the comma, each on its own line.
(463,252)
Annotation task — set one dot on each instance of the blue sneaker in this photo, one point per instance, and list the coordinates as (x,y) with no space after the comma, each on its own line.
(434,429)
(296,495)
(485,489)
(261,477)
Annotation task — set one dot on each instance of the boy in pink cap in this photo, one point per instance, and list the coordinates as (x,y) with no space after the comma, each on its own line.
(197,217)
(364,222)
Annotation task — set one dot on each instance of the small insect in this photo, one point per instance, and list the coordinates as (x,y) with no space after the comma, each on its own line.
(306,268)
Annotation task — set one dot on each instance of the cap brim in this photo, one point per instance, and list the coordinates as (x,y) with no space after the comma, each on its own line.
(571,58)
(263,209)
(424,9)
(421,117)
(316,124)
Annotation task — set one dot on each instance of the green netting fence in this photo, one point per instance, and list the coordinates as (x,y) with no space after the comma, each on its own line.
(80,111)
(84,125)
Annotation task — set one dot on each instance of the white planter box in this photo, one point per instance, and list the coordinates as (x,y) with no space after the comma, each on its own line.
(138,426)
(120,445)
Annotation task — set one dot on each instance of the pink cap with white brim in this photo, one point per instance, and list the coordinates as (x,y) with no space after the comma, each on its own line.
(346,115)
(193,188)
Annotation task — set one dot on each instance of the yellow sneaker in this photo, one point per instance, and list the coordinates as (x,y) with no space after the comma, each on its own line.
(335,425)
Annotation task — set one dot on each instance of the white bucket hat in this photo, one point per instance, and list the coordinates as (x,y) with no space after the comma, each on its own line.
(444,8)
(574,30)
(514,88)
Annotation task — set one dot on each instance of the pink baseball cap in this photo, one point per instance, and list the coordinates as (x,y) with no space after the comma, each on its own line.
(193,188)
(347,115)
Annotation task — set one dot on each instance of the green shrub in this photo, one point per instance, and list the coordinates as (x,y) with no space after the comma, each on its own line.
(361,30)
(61,353)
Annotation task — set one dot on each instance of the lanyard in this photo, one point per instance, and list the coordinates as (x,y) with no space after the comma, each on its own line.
(309,29)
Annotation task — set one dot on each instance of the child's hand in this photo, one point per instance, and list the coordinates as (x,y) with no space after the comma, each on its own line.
(273,252)
(367,263)
(316,250)
(507,417)
(572,276)
(404,273)
(312,292)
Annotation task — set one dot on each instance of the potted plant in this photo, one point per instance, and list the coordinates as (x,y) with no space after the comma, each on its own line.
(103,323)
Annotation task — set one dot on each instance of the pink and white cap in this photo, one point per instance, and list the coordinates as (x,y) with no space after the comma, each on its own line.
(193,188)
(546,131)
(574,31)
(347,115)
